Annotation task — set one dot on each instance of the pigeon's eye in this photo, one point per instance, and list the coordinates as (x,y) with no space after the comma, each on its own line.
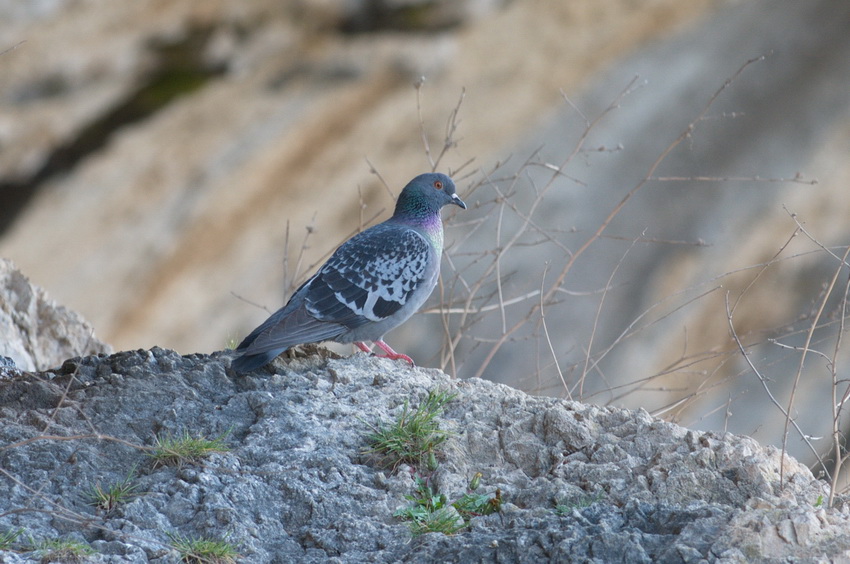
(438,184)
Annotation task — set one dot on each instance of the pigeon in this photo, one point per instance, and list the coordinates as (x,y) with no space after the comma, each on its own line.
(371,284)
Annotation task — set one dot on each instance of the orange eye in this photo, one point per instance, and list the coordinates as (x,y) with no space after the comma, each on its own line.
(438,184)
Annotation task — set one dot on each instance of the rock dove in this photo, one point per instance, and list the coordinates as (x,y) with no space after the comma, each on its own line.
(372,283)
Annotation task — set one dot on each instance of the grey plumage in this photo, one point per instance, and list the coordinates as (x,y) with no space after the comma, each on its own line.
(372,283)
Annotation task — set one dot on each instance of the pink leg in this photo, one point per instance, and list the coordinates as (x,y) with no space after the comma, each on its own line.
(363,347)
(391,354)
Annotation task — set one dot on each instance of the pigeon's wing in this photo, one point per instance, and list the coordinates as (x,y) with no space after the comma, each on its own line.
(371,277)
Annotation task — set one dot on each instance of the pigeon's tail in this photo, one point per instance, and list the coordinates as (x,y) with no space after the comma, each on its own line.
(251,357)
(250,362)
(287,327)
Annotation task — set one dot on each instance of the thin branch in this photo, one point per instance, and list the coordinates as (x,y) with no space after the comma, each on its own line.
(12,48)
(548,339)
(386,186)
(837,406)
(770,395)
(797,179)
(537,202)
(598,315)
(686,133)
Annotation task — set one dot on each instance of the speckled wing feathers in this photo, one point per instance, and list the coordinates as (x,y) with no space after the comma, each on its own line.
(370,277)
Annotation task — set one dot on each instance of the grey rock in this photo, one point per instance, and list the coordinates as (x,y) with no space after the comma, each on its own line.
(8,368)
(149,223)
(36,332)
(297,486)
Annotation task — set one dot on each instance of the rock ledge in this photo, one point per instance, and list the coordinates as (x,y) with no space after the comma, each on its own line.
(296,486)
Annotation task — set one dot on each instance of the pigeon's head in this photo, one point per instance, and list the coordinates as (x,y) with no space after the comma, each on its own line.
(426,194)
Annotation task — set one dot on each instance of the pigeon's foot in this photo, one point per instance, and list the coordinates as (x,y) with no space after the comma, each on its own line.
(391,354)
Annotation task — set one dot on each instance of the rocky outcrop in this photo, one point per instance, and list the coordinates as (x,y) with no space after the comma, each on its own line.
(36,332)
(578,483)
(293,477)
(178,152)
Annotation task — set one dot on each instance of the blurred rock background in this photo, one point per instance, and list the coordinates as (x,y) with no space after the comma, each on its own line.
(159,159)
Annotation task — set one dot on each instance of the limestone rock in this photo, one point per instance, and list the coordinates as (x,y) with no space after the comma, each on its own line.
(167,216)
(36,332)
(296,486)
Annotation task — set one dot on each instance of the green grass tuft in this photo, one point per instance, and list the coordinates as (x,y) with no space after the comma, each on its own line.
(66,551)
(203,550)
(171,450)
(115,494)
(445,520)
(415,436)
(8,538)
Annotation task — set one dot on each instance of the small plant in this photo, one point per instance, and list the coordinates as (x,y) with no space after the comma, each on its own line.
(472,505)
(171,450)
(565,507)
(112,496)
(9,537)
(432,512)
(415,436)
(203,550)
(66,551)
(445,520)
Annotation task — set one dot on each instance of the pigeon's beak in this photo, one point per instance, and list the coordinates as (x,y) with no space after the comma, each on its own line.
(457,201)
